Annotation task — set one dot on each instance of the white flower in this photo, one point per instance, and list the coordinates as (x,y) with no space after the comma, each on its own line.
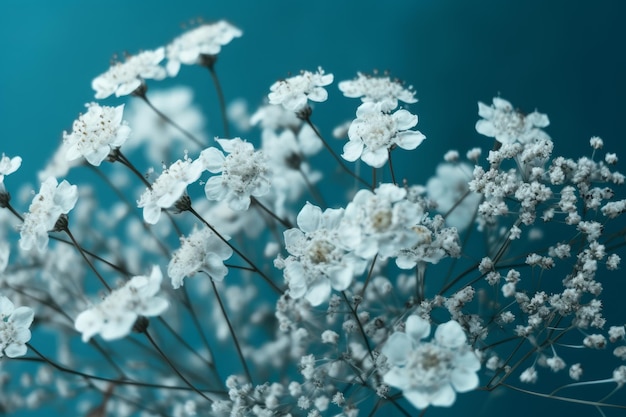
(506,125)
(294,92)
(450,184)
(122,78)
(8,166)
(316,263)
(430,373)
(375,131)
(52,200)
(378,90)
(203,251)
(168,188)
(206,39)
(380,222)
(96,133)
(14,328)
(244,173)
(114,317)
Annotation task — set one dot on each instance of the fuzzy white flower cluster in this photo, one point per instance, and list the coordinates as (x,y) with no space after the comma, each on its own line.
(206,39)
(243,173)
(316,260)
(294,92)
(169,187)
(52,201)
(374,132)
(507,125)
(202,251)
(430,372)
(14,328)
(377,89)
(115,316)
(96,133)
(123,78)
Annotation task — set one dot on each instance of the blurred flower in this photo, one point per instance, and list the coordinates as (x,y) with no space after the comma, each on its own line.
(8,166)
(202,251)
(376,89)
(14,328)
(114,317)
(449,188)
(244,173)
(294,92)
(506,125)
(96,133)
(122,78)
(52,200)
(430,373)
(206,39)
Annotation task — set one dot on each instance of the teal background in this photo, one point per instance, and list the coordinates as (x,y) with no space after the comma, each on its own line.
(563,58)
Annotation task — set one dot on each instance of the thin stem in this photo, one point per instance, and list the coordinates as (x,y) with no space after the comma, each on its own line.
(220,96)
(232,332)
(174,368)
(237,251)
(141,93)
(84,256)
(307,119)
(393,174)
(284,222)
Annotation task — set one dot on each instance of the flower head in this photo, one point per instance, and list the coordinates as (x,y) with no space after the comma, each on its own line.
(14,328)
(375,131)
(116,314)
(244,173)
(380,222)
(206,39)
(430,373)
(202,250)
(52,201)
(316,262)
(507,125)
(169,187)
(96,133)
(8,166)
(377,89)
(123,78)
(293,93)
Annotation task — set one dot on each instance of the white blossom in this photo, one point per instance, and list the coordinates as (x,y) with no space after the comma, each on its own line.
(52,201)
(380,222)
(294,92)
(507,125)
(243,173)
(96,133)
(169,187)
(206,39)
(316,262)
(114,317)
(8,166)
(14,328)
(432,372)
(377,89)
(123,78)
(203,251)
(374,132)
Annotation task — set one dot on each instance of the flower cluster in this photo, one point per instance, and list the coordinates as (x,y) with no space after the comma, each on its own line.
(301,285)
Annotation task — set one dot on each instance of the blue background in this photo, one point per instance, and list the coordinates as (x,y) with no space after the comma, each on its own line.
(563,58)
